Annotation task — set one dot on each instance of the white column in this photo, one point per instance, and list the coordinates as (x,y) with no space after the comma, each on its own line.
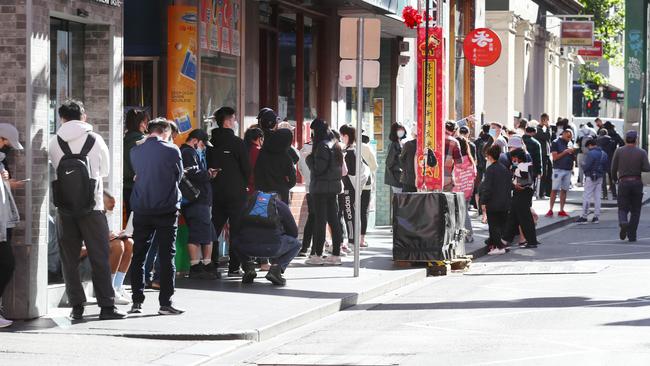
(500,77)
(479,72)
(523,49)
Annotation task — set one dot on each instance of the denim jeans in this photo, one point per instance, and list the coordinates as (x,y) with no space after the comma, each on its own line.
(282,255)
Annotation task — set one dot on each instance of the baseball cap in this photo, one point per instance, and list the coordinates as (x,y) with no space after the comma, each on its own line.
(200,135)
(629,135)
(10,133)
(463,130)
(516,142)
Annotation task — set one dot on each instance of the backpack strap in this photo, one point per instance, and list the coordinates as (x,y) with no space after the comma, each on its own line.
(88,145)
(64,146)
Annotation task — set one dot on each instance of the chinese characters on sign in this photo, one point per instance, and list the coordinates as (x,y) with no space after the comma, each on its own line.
(430,66)
(482,47)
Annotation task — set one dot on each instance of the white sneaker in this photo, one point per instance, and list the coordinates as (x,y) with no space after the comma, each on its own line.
(120,299)
(496,251)
(346,249)
(333,260)
(314,260)
(5,322)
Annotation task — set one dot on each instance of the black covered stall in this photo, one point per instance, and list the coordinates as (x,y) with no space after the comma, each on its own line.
(428,226)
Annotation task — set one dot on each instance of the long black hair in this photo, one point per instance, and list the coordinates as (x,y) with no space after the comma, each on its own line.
(134,118)
(350,132)
(323,134)
(396,126)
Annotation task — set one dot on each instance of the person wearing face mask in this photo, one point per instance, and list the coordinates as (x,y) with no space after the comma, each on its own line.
(230,159)
(522,200)
(496,137)
(393,173)
(198,214)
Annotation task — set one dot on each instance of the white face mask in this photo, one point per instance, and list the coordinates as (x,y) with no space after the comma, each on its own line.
(401,134)
(235,127)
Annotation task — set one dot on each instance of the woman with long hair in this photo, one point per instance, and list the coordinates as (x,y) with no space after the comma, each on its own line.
(136,126)
(325,165)
(347,198)
(393,174)
(466,172)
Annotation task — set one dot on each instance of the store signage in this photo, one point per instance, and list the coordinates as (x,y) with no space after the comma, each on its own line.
(592,53)
(219,26)
(577,33)
(430,106)
(116,3)
(182,68)
(482,47)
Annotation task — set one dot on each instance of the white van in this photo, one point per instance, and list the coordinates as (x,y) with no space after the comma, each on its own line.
(617,122)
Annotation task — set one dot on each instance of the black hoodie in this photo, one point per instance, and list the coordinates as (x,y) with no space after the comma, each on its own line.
(230,156)
(275,170)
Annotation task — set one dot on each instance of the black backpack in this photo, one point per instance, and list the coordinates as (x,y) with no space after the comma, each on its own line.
(74,190)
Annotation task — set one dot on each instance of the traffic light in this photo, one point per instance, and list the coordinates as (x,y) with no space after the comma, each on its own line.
(592,107)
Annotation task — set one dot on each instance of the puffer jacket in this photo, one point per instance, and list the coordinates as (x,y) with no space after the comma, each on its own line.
(275,170)
(326,170)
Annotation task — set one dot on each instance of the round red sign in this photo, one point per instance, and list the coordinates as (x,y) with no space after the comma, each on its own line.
(482,47)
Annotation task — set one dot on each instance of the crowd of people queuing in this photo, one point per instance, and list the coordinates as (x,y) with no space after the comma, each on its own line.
(226,186)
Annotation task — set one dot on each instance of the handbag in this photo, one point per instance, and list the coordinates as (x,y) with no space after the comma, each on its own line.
(189,192)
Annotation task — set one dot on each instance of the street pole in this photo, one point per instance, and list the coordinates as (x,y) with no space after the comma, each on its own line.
(357,177)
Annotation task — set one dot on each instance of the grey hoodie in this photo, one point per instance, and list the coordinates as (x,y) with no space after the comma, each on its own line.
(75,133)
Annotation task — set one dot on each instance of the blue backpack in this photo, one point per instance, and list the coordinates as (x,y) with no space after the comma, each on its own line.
(261,211)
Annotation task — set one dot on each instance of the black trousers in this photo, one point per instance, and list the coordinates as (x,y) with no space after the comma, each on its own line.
(546,181)
(612,186)
(7,265)
(497,221)
(160,229)
(520,215)
(308,231)
(228,211)
(326,211)
(126,197)
(365,206)
(346,210)
(91,230)
(630,199)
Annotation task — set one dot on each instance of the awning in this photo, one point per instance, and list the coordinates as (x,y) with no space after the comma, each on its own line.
(391,25)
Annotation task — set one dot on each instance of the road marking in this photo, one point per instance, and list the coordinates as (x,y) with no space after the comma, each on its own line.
(592,256)
(533,358)
(622,243)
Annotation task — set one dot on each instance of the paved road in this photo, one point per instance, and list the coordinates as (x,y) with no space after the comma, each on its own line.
(583,298)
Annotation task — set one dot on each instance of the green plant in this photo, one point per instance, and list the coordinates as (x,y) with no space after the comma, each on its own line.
(609,23)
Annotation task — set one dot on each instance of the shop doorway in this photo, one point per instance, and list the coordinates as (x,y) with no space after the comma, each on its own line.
(290,55)
(141,84)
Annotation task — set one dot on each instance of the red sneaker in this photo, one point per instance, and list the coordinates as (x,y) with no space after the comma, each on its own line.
(563,214)
(549,213)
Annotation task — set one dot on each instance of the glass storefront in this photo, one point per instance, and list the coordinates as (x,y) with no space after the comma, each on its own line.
(141,85)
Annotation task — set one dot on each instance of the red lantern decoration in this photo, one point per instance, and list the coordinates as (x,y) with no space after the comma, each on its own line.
(412,18)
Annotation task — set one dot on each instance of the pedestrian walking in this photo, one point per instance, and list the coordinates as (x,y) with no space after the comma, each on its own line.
(81,160)
(9,216)
(585,133)
(369,157)
(156,200)
(544,136)
(594,165)
(520,215)
(326,166)
(495,193)
(275,170)
(615,142)
(608,145)
(393,172)
(136,126)
(230,159)
(627,165)
(198,212)
(407,161)
(563,154)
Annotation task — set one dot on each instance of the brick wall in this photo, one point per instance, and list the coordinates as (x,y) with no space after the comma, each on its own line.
(25,101)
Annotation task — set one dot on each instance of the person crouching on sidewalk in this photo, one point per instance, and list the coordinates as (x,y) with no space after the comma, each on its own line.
(277,240)
(522,200)
(494,196)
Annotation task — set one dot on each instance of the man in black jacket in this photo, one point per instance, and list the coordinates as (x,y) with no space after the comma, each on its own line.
(534,148)
(275,170)
(155,201)
(229,158)
(545,138)
(495,199)
(198,214)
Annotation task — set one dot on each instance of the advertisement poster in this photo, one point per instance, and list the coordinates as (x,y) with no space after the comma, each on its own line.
(182,67)
(215,37)
(226,23)
(235,45)
(430,107)
(206,16)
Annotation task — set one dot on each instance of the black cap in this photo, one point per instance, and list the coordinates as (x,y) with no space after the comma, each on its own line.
(463,130)
(200,135)
(267,118)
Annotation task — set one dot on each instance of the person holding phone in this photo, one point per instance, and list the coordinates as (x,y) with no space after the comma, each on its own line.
(563,154)
(120,253)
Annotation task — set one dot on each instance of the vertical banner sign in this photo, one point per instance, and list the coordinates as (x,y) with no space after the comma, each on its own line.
(214,26)
(206,12)
(430,121)
(182,66)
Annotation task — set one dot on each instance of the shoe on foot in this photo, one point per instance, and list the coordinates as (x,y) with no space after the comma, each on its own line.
(111,313)
(211,268)
(582,220)
(314,260)
(632,239)
(523,244)
(531,245)
(136,308)
(333,260)
(346,249)
(249,276)
(236,273)
(5,322)
(595,220)
(562,214)
(302,254)
(549,213)
(77,312)
(275,276)
(497,251)
(170,310)
(623,233)
(120,299)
